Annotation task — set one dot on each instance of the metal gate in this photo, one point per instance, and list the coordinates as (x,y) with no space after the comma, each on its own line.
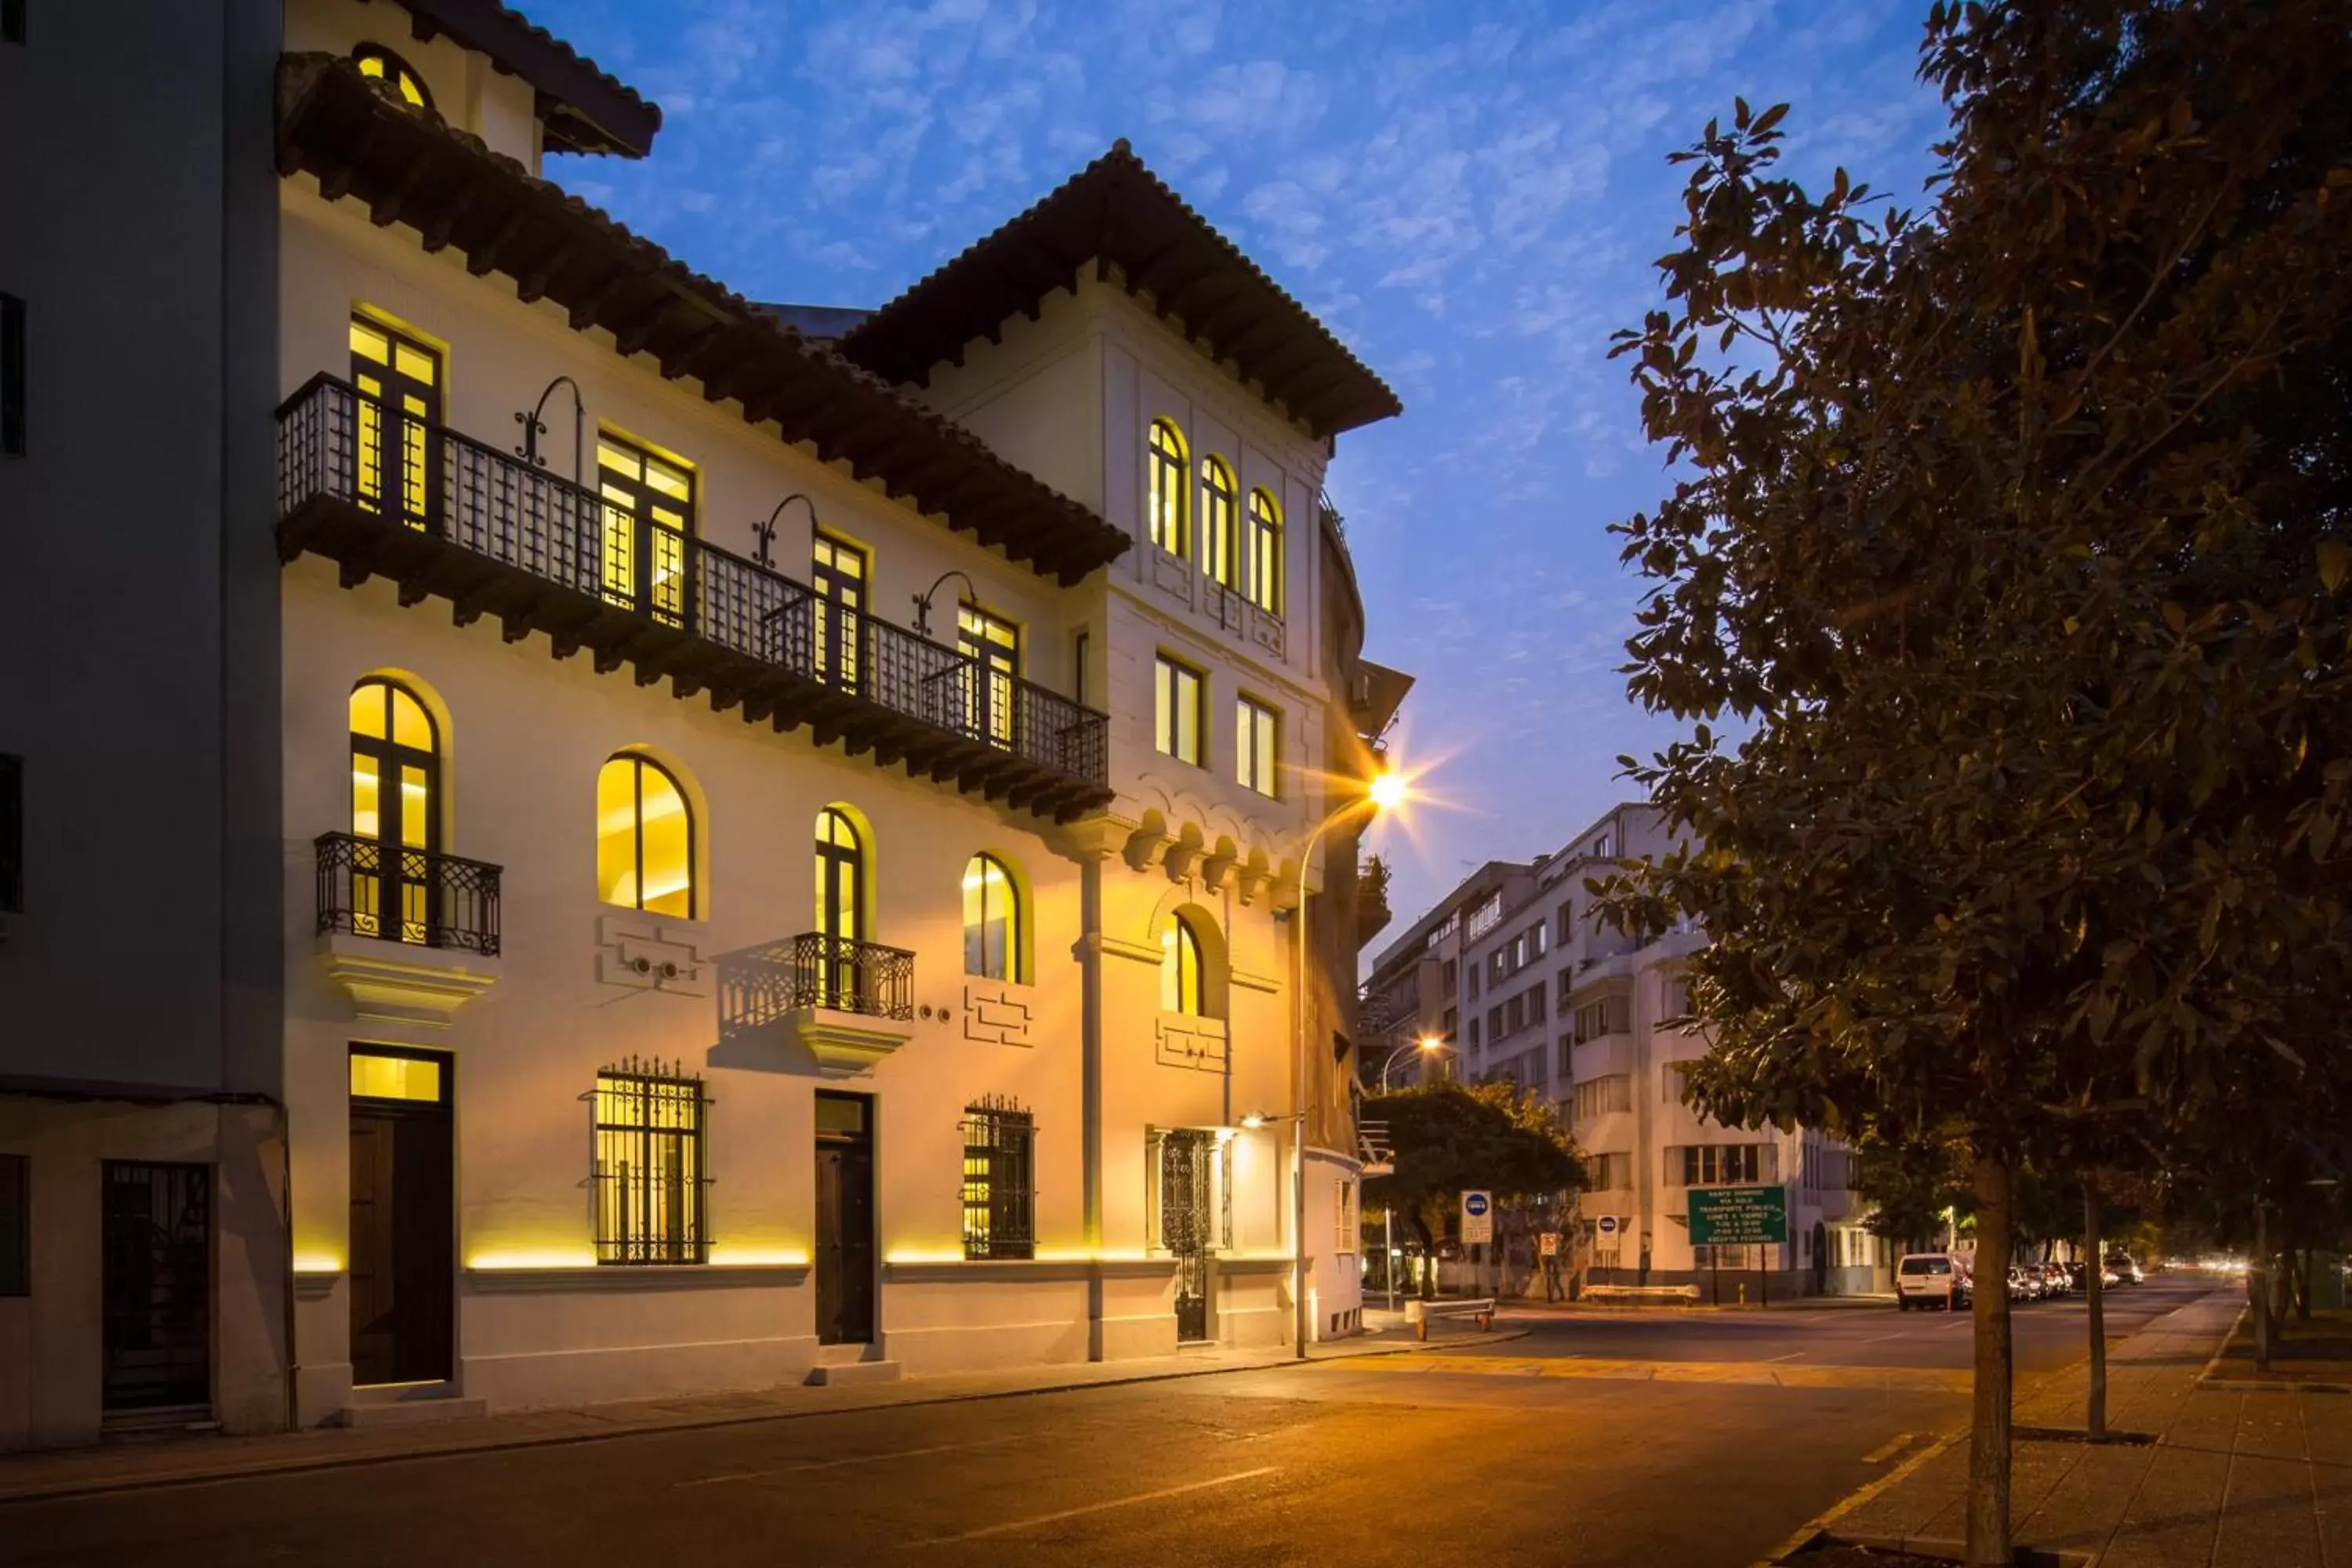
(157,1288)
(1185,1225)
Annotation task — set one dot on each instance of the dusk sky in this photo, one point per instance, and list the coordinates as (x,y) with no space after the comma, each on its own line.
(1470,195)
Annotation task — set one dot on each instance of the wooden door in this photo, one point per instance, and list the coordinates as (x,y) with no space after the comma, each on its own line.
(844,1220)
(402,1220)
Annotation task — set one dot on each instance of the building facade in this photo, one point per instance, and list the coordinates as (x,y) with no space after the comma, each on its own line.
(1598,1020)
(697,972)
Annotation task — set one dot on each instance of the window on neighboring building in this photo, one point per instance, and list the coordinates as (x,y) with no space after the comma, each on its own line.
(1601,1096)
(1566,923)
(1176,706)
(999,1180)
(1474,1033)
(1494,1022)
(1474,982)
(1180,968)
(1720,1164)
(1674,998)
(12,376)
(991,920)
(649,1167)
(398,377)
(1453,1021)
(644,838)
(1673,1079)
(1514,1014)
(1164,478)
(380,64)
(994,645)
(1253,745)
(15,1225)
(1536,940)
(12,834)
(1448,976)
(1220,553)
(1605,1015)
(1536,1001)
(1264,552)
(1347,1218)
(648,516)
(1610,1172)
(395,802)
(1568,1056)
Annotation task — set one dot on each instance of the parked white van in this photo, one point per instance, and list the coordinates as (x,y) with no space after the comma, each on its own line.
(1930,1280)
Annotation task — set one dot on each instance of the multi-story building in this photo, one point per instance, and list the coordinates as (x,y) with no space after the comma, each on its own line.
(1410,1015)
(696,973)
(1598,1020)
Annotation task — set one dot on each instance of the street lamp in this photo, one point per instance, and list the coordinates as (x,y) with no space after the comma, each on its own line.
(1427,1046)
(1384,791)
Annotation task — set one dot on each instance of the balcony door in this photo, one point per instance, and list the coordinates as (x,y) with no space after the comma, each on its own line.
(646,560)
(993,646)
(395,793)
(399,382)
(840,909)
(837,571)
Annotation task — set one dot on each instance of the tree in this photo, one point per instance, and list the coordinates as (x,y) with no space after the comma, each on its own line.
(2016,538)
(1449,1139)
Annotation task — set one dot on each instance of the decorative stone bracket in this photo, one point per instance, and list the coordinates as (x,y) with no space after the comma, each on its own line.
(847,1044)
(404,983)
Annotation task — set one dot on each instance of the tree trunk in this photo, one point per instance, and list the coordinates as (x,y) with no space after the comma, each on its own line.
(2094,1413)
(2258,1282)
(1988,1437)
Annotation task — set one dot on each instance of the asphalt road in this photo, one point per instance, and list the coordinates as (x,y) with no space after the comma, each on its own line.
(1699,1440)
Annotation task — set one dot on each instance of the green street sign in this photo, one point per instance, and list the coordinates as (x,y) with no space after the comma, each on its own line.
(1738,1217)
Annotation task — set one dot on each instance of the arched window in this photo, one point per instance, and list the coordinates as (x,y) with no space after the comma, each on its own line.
(1264,552)
(1219,502)
(1180,968)
(991,920)
(644,838)
(395,807)
(380,64)
(844,978)
(1165,474)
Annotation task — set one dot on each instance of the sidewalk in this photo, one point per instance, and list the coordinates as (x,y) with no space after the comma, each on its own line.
(25,1478)
(2233,1478)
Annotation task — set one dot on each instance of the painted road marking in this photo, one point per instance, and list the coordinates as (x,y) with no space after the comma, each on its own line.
(1919,1379)
(1888,1449)
(1008,1526)
(1790,1356)
(840,1464)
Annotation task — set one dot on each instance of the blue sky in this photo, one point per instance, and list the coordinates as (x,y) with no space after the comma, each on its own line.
(1471,194)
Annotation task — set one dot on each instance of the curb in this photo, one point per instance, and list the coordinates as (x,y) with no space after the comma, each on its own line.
(300,1464)
(1810,1533)
(2209,1379)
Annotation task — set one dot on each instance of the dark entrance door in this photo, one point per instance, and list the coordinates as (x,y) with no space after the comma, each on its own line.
(844,1219)
(403,1216)
(1184,1157)
(157,1285)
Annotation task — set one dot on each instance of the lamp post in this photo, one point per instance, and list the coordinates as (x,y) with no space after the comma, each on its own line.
(1384,791)
(1426,1046)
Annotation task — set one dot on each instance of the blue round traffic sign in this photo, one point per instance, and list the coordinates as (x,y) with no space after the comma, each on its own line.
(1475,1205)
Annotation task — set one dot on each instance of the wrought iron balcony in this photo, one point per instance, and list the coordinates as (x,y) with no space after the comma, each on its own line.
(495,535)
(846,976)
(367,888)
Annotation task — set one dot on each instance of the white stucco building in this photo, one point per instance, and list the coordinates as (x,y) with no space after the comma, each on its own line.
(696,968)
(1598,1020)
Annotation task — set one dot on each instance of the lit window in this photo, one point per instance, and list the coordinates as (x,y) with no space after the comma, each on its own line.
(1177,710)
(395,793)
(648,516)
(838,571)
(398,378)
(1180,968)
(994,645)
(1219,498)
(1253,745)
(384,1075)
(999,1180)
(649,1128)
(1165,476)
(644,838)
(1264,552)
(379,64)
(991,920)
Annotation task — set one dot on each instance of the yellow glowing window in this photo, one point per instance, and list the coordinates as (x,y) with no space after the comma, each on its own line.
(994,645)
(1264,552)
(1176,711)
(837,573)
(395,1077)
(398,380)
(991,920)
(1220,558)
(1253,745)
(644,838)
(380,64)
(1180,968)
(648,516)
(1165,483)
(396,782)
(649,1173)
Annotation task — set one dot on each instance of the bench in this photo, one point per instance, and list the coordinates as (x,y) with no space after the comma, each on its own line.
(1637,1295)
(1418,1313)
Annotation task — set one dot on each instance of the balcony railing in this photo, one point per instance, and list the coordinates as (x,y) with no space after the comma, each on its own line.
(367,888)
(847,977)
(501,509)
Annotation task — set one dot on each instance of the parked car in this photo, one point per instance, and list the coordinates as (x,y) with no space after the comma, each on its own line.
(2125,1270)
(1928,1280)
(2078,1276)
(2025,1285)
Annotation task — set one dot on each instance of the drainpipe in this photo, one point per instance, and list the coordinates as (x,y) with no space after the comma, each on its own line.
(1090,1006)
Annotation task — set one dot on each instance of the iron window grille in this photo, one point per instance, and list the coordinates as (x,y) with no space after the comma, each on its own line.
(1188,1191)
(368,888)
(999,1180)
(648,1123)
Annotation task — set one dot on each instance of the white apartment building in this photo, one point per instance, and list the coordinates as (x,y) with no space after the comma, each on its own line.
(1412,996)
(1599,1021)
(691,969)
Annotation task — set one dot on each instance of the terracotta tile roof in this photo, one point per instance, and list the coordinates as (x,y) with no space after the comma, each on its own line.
(412,167)
(1117,212)
(586,108)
